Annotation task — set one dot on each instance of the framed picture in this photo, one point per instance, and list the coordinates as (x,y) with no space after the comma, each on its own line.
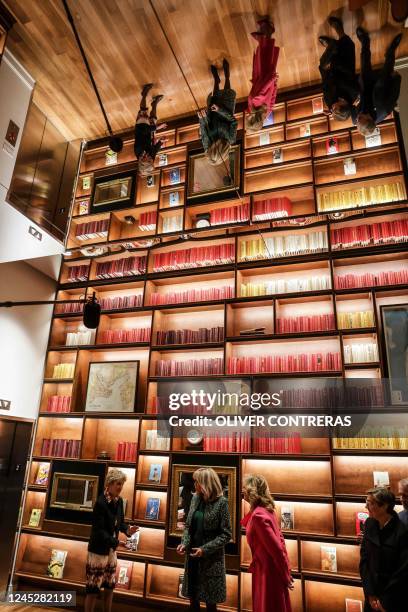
(182,491)
(395,329)
(112,386)
(74,491)
(113,192)
(152,508)
(205,179)
(155,472)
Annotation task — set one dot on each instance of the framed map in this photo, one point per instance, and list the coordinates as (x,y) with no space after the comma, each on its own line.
(112,386)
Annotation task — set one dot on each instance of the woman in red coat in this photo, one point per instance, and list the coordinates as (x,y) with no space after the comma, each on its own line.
(271,578)
(262,96)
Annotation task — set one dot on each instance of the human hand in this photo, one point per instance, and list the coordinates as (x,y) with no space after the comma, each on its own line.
(181,549)
(375,603)
(202,113)
(196,553)
(291,584)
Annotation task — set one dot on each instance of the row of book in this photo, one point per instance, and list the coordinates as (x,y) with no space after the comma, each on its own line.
(116,336)
(192,295)
(92,230)
(126,451)
(231,214)
(290,444)
(354,320)
(59,447)
(382,437)
(80,337)
(127,266)
(215,254)
(304,362)
(172,224)
(69,307)
(362,196)
(190,336)
(305,323)
(234,442)
(360,353)
(59,403)
(120,302)
(283,246)
(190,367)
(271,208)
(285,285)
(385,232)
(77,274)
(369,279)
(63,370)
(147,221)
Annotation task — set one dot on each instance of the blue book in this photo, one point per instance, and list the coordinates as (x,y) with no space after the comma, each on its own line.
(152,508)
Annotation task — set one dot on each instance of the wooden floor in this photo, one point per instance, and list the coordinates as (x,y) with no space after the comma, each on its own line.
(126,47)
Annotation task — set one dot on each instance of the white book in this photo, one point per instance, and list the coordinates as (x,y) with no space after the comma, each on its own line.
(374,140)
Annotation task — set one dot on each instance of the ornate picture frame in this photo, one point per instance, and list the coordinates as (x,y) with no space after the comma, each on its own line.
(206,180)
(106,392)
(182,491)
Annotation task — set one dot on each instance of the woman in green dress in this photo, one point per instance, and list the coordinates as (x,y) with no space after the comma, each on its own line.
(207,531)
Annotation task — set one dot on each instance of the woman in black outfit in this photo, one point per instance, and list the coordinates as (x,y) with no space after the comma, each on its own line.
(108,520)
(384,555)
(207,531)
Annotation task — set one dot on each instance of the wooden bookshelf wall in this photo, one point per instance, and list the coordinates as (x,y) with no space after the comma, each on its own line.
(271,287)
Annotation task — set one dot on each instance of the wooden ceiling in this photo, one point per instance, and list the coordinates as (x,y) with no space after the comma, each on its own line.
(126,47)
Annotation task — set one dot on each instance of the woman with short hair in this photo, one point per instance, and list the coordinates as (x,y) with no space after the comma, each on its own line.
(271,577)
(384,555)
(108,519)
(207,531)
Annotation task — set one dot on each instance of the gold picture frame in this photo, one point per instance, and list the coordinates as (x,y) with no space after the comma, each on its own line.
(182,492)
(74,491)
(205,179)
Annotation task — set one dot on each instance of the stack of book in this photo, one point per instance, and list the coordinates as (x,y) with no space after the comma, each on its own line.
(63,370)
(190,367)
(304,362)
(290,444)
(355,320)
(59,403)
(231,214)
(58,447)
(116,336)
(190,336)
(363,235)
(78,273)
(283,245)
(121,302)
(253,331)
(80,337)
(305,323)
(285,285)
(172,224)
(234,442)
(115,268)
(126,451)
(147,221)
(92,230)
(192,295)
(361,353)
(369,279)
(361,196)
(271,208)
(196,257)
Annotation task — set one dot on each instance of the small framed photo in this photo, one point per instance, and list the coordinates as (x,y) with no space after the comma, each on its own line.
(174,176)
(155,472)
(163,159)
(112,386)
(174,198)
(152,509)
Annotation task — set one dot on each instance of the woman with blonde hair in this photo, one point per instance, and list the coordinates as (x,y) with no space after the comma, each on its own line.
(271,578)
(207,531)
(108,519)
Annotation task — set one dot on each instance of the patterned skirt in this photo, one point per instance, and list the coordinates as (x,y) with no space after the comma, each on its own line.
(100,571)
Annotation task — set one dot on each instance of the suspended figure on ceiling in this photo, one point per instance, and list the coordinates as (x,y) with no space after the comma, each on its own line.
(338,71)
(218,126)
(262,96)
(379,90)
(146,146)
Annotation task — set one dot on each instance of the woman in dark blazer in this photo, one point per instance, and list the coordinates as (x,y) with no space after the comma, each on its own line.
(384,555)
(108,519)
(207,531)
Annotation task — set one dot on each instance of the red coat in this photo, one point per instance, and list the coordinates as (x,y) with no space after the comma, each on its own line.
(270,564)
(264,77)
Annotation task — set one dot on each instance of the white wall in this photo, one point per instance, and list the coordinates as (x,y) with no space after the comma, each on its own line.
(23,337)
